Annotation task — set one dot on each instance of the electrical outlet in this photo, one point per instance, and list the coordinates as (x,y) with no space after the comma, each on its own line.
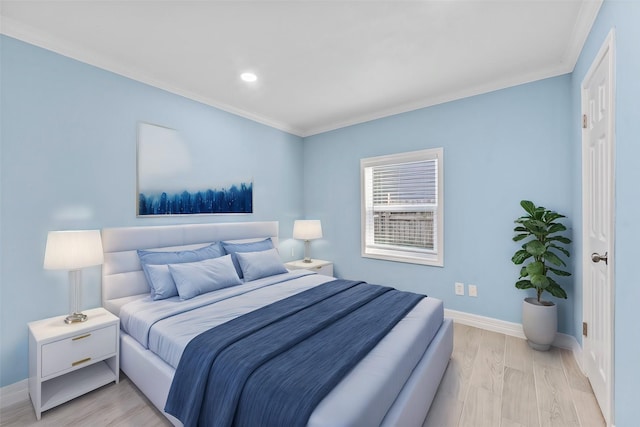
(459,288)
(473,291)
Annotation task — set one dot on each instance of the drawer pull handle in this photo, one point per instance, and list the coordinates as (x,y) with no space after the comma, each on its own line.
(79,362)
(80,337)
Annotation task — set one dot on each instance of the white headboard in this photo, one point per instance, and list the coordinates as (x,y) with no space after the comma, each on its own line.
(122,276)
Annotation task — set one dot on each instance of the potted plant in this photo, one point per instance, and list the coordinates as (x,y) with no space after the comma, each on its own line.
(541,260)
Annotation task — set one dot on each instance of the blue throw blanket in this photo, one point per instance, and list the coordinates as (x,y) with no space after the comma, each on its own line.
(271,367)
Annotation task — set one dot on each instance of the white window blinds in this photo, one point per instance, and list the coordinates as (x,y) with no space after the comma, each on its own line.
(402,206)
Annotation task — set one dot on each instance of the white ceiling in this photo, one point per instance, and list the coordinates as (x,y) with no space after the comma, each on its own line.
(321,65)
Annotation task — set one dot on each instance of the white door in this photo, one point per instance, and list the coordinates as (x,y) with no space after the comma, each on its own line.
(598,224)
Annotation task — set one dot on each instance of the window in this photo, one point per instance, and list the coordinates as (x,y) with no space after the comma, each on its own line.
(402,207)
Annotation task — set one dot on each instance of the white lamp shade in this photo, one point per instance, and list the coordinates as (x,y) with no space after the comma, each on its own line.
(307,229)
(72,250)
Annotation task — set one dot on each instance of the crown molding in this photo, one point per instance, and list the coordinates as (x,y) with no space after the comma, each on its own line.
(28,34)
(586,17)
(442,99)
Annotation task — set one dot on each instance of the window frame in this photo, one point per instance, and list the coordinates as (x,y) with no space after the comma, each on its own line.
(433,257)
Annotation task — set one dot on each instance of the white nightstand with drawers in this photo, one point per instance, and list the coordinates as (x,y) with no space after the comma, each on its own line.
(67,361)
(317,265)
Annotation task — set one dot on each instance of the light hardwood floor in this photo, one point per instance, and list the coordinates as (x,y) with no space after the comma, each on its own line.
(492,380)
(495,380)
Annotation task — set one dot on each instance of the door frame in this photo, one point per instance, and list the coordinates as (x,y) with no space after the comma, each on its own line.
(608,47)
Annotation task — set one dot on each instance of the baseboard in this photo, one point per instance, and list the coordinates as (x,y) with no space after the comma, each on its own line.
(513,329)
(14,393)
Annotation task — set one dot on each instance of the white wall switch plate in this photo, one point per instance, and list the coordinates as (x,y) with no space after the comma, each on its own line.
(473,291)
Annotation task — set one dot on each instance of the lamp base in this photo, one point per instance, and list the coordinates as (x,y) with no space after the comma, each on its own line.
(307,255)
(75,318)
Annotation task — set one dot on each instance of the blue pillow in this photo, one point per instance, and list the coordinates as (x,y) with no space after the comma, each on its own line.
(147,258)
(195,278)
(163,285)
(256,265)
(234,248)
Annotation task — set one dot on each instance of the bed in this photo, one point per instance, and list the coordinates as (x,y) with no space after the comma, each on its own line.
(393,385)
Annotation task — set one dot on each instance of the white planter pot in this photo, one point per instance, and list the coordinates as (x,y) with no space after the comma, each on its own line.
(540,323)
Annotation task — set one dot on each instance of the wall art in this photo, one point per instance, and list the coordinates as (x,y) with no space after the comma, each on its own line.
(170,184)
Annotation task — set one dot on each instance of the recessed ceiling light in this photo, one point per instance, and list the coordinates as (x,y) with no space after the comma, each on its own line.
(248,77)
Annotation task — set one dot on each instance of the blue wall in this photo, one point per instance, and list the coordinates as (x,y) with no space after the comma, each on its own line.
(486,139)
(624,16)
(67,158)
(499,148)
(69,162)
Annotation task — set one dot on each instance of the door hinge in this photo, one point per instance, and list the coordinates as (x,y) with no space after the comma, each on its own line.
(584,121)
(584,328)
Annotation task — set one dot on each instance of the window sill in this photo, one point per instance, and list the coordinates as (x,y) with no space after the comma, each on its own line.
(430,261)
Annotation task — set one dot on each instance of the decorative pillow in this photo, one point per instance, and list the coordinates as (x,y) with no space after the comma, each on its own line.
(148,258)
(195,278)
(234,248)
(256,265)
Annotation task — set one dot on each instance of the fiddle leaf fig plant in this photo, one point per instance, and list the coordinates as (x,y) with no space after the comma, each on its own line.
(541,251)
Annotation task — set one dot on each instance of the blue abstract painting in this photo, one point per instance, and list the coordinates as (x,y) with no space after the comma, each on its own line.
(172,181)
(236,199)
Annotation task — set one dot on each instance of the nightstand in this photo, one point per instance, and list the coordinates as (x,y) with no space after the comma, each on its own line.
(317,265)
(67,361)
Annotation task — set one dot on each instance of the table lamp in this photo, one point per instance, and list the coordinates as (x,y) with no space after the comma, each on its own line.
(73,251)
(307,229)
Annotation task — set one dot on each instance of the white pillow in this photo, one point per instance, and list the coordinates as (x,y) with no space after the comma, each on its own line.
(195,278)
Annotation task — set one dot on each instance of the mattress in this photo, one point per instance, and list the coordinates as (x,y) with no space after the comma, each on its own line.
(365,394)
